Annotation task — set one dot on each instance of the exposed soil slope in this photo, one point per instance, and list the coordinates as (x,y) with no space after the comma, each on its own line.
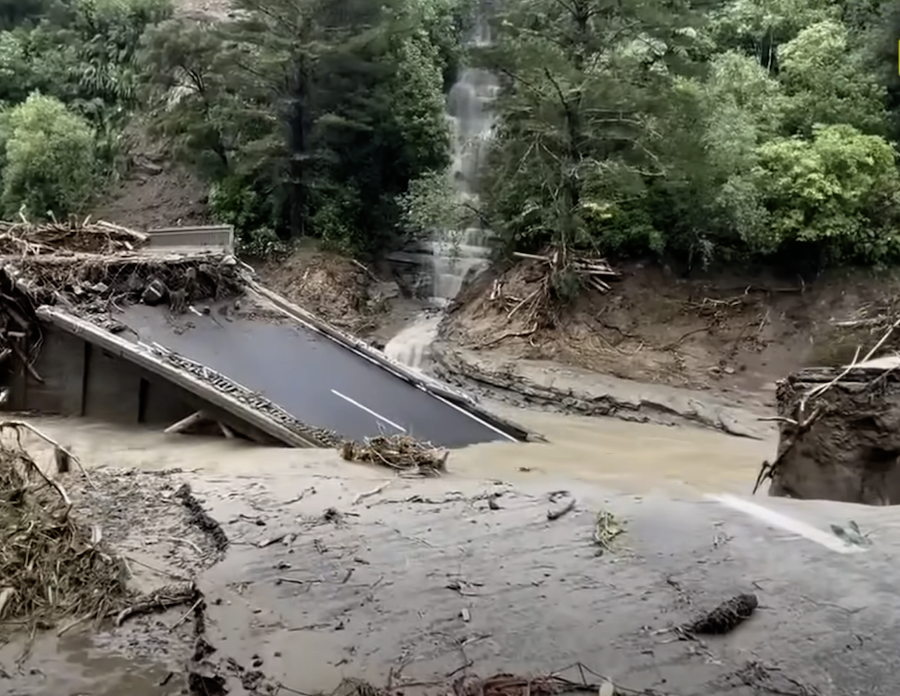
(147,198)
(723,332)
(344,292)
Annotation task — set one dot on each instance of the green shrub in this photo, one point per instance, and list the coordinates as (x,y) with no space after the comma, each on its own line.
(51,165)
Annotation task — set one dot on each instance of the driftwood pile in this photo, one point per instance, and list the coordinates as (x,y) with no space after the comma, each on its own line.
(79,263)
(92,284)
(583,680)
(72,236)
(51,567)
(55,570)
(552,276)
(401,452)
(593,272)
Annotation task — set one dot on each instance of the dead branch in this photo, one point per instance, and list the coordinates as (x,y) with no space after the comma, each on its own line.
(160,600)
(399,452)
(52,567)
(17,424)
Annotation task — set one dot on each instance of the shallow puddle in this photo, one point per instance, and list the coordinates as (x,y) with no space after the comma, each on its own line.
(65,665)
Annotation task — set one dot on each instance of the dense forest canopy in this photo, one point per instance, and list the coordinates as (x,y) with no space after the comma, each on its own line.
(709,131)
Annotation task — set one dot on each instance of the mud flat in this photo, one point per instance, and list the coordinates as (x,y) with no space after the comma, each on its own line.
(336,570)
(573,390)
(840,436)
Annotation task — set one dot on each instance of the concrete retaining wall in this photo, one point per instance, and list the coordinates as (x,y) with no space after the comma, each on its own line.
(207,238)
(82,380)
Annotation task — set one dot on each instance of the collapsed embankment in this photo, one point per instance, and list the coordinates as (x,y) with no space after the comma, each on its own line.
(840,436)
(660,347)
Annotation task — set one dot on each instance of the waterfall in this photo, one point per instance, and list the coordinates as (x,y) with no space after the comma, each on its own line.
(457,253)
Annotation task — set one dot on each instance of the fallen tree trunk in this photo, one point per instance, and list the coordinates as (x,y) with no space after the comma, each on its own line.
(839,436)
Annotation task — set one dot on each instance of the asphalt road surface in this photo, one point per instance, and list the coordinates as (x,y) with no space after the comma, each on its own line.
(315,379)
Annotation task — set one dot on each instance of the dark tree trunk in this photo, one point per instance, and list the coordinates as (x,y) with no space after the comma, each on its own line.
(298,143)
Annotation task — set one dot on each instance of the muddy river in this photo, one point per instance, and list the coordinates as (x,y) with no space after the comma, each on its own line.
(400,546)
(629,457)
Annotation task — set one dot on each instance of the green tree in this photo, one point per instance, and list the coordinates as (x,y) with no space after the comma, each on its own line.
(14,13)
(760,27)
(325,111)
(578,135)
(708,202)
(828,83)
(50,163)
(837,194)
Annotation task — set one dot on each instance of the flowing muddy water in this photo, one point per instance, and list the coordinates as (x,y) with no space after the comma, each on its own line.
(309,634)
(629,457)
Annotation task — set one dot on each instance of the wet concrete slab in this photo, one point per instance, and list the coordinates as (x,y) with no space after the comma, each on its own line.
(313,378)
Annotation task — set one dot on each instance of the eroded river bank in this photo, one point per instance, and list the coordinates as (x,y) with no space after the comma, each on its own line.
(336,570)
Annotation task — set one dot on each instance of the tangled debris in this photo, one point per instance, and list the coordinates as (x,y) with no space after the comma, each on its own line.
(725,617)
(96,266)
(505,684)
(549,276)
(161,599)
(606,530)
(95,284)
(52,567)
(201,519)
(400,452)
(25,238)
(763,678)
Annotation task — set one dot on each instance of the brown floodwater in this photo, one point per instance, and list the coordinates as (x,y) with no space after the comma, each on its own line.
(630,457)
(610,454)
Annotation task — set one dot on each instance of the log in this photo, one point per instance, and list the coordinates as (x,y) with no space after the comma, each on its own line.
(186,423)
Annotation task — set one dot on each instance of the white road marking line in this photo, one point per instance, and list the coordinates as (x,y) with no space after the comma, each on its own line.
(473,417)
(776,519)
(368,410)
(388,368)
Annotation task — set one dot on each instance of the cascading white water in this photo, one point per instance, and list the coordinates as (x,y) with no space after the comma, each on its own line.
(457,253)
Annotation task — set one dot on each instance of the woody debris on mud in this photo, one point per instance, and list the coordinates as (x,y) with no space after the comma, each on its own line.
(839,432)
(58,571)
(53,567)
(535,304)
(24,238)
(724,618)
(405,454)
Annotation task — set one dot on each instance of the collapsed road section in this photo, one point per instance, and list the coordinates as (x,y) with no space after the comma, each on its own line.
(98,324)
